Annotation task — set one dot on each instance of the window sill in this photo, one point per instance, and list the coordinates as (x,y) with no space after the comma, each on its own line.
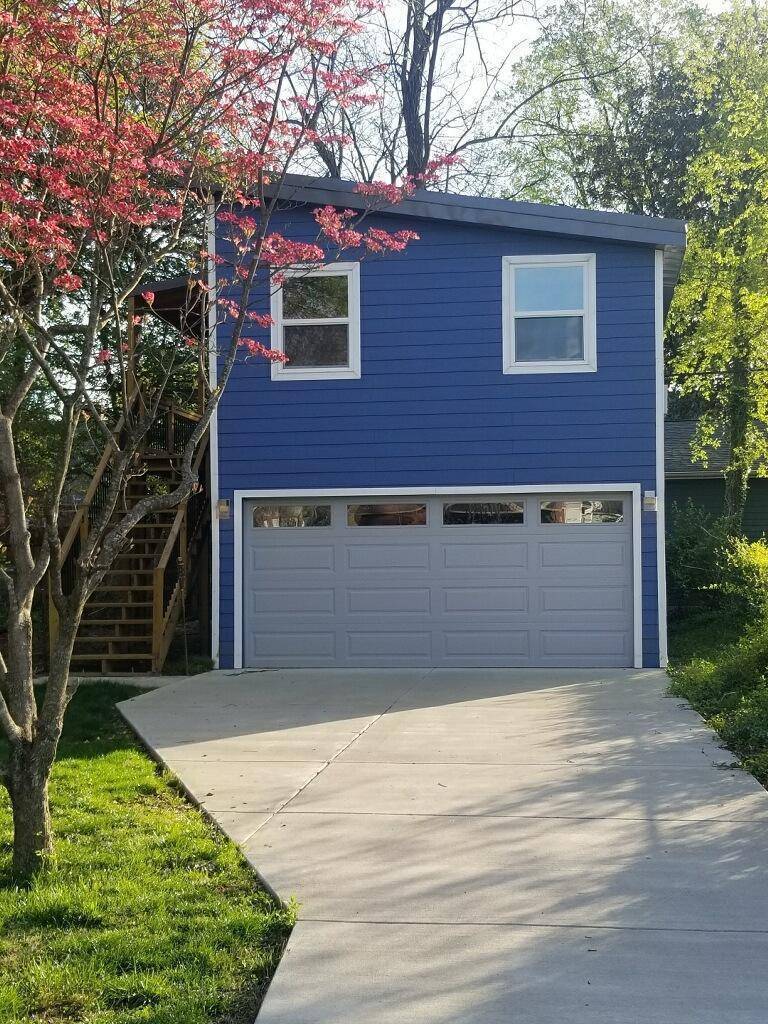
(279,373)
(552,366)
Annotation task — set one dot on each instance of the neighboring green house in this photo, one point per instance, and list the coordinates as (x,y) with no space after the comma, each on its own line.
(705,485)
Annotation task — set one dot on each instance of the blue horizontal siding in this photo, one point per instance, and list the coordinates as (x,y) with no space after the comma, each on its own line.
(433,408)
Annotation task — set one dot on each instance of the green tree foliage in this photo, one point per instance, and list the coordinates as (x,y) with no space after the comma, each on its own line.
(663,110)
(719,320)
(623,124)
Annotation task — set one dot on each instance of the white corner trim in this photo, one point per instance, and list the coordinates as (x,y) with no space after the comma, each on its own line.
(213,444)
(237,606)
(352,371)
(241,496)
(661,557)
(588,311)
(637,574)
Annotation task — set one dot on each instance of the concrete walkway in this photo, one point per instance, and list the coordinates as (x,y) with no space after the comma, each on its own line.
(484,847)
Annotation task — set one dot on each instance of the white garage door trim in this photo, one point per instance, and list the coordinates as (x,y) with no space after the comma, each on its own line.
(241,496)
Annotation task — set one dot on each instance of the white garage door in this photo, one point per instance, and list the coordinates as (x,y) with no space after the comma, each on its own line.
(510,580)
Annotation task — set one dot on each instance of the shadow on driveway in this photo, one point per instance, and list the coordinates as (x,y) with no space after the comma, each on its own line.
(484,845)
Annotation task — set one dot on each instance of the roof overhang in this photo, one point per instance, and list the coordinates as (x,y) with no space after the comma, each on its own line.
(656,232)
(177,301)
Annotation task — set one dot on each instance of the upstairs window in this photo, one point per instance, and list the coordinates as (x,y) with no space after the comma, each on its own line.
(549,314)
(316,316)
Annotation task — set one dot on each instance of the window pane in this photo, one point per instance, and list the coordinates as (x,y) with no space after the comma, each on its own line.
(387,514)
(496,513)
(544,338)
(582,510)
(541,289)
(314,298)
(291,515)
(316,345)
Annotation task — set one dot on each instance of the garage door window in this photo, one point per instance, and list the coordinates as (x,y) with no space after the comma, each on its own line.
(387,514)
(482,513)
(316,323)
(291,516)
(582,510)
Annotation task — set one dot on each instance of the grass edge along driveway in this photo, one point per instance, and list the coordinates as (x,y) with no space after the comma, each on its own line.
(720,665)
(148,914)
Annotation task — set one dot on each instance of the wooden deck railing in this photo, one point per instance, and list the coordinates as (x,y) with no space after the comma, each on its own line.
(171,430)
(167,437)
(76,535)
(171,575)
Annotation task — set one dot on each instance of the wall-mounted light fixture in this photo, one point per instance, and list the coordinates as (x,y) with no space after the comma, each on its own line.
(650,503)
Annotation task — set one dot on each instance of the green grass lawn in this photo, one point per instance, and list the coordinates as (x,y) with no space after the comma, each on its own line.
(720,665)
(148,914)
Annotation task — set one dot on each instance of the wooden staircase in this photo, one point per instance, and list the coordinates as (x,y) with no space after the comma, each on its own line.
(130,620)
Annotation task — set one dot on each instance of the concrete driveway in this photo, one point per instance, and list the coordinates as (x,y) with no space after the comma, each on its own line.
(484,847)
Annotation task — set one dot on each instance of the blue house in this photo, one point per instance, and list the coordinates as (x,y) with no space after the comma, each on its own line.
(463,462)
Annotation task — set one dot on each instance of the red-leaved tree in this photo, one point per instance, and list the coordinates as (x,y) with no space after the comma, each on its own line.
(125,126)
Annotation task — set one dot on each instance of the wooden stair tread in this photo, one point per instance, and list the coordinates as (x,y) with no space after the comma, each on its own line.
(111,638)
(112,657)
(142,527)
(122,586)
(119,604)
(130,572)
(115,622)
(166,513)
(143,643)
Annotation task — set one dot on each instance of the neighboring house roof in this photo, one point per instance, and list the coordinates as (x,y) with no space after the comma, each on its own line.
(678,461)
(659,232)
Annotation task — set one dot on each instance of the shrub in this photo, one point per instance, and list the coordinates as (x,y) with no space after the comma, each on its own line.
(709,568)
(744,575)
(696,541)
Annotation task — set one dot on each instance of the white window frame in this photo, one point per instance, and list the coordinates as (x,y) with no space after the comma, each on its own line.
(510,264)
(351,371)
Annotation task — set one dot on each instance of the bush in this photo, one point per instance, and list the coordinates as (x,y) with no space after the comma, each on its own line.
(696,541)
(709,568)
(744,575)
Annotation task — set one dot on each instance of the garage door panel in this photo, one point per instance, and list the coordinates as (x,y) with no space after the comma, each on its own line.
(382,643)
(297,601)
(294,646)
(473,594)
(583,643)
(388,556)
(499,643)
(580,554)
(289,558)
(469,555)
(465,600)
(392,600)
(583,599)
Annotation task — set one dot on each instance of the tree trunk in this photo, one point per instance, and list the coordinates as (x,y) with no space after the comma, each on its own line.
(739,413)
(31,759)
(27,783)
(736,486)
